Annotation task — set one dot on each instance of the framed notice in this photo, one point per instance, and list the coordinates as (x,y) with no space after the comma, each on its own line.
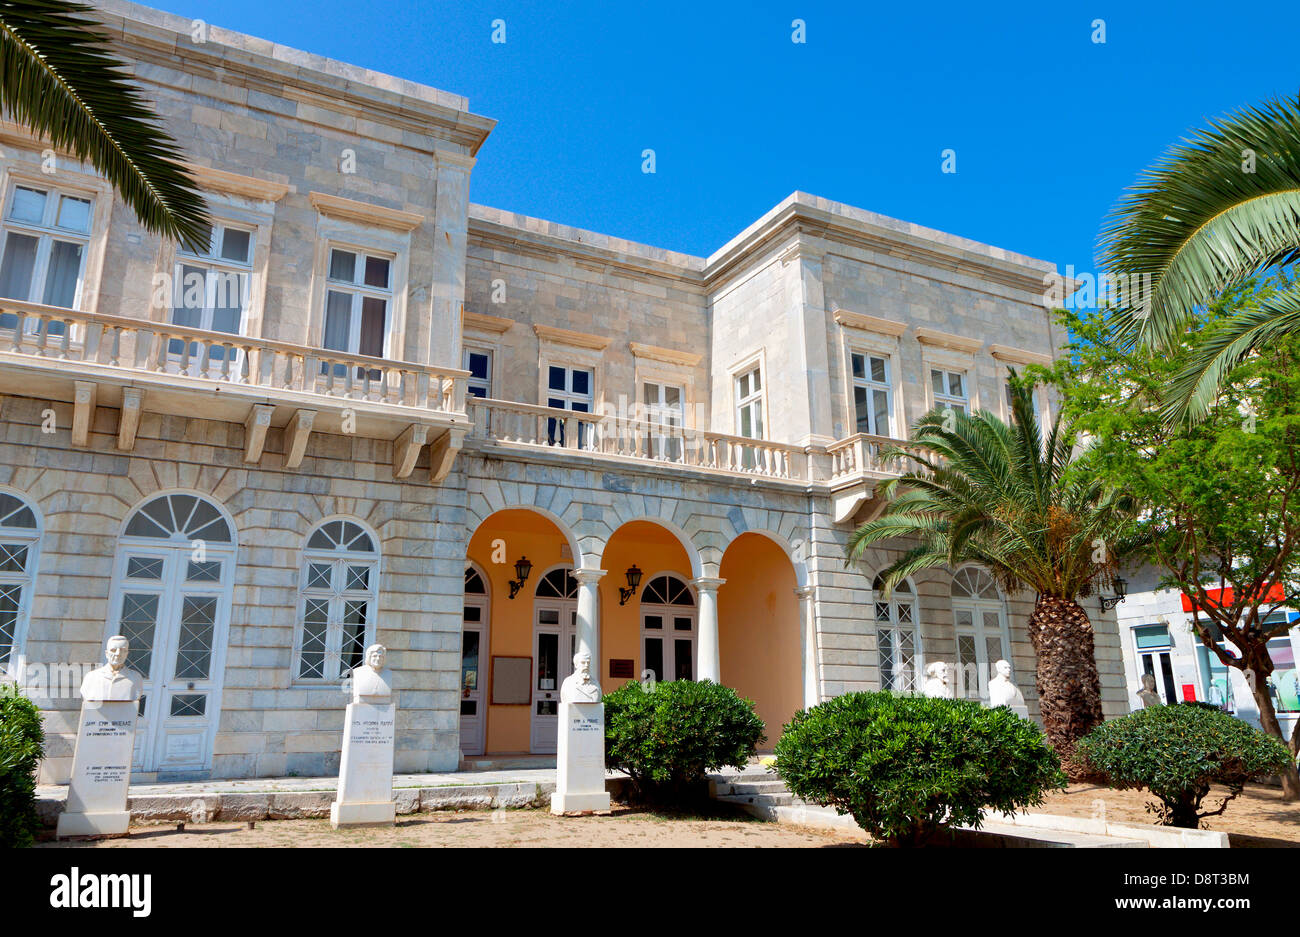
(512,681)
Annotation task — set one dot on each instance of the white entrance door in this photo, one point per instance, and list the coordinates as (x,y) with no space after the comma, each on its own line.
(473,649)
(173,611)
(555,639)
(980,626)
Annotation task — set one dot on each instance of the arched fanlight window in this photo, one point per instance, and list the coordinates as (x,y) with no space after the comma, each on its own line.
(558,584)
(179,517)
(474,582)
(336,611)
(19,544)
(980,629)
(898,637)
(667,590)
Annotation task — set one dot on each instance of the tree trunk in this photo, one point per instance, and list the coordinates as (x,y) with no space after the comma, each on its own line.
(1069,690)
(1268,722)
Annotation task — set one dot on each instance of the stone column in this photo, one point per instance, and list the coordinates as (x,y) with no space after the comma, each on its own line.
(808,622)
(707,628)
(589,616)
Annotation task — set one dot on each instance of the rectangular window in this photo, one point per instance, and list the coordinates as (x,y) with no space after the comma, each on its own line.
(665,408)
(569,389)
(478,362)
(211,287)
(1006,392)
(749,404)
(872,394)
(358,295)
(949,389)
(1154,651)
(43,248)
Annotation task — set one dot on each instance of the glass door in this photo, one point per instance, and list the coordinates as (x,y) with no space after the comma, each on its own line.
(471,684)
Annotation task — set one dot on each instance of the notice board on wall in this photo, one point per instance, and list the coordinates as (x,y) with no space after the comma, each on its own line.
(512,681)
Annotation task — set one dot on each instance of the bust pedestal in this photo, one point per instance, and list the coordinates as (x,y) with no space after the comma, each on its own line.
(365,796)
(580,760)
(101,771)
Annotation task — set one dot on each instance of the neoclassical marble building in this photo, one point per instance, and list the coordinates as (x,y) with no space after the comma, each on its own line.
(370,410)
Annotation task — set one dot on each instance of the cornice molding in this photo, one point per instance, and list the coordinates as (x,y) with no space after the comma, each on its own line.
(858,320)
(666,355)
(1019,355)
(549,333)
(234,184)
(486,323)
(948,340)
(350,210)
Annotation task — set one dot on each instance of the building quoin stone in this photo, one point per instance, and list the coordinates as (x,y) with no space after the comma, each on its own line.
(371,411)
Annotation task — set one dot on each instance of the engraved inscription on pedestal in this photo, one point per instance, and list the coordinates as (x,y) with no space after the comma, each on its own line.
(365,795)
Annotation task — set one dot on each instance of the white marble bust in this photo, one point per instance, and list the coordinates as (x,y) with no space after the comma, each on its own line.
(1148,694)
(113,682)
(938,681)
(578,686)
(1002,692)
(371,682)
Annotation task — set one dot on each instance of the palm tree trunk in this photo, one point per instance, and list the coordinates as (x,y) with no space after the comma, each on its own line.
(1069,690)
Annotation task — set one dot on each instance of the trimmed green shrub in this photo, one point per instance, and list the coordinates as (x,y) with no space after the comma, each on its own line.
(906,767)
(22,744)
(1176,753)
(668,738)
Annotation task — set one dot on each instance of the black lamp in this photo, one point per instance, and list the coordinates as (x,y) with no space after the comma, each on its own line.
(522,569)
(633,580)
(1121,592)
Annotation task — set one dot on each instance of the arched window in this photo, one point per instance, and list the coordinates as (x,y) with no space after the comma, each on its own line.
(898,637)
(174,577)
(668,645)
(980,627)
(558,584)
(336,611)
(19,544)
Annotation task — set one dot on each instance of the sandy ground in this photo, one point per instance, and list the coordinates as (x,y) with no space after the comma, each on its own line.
(491,828)
(1256,818)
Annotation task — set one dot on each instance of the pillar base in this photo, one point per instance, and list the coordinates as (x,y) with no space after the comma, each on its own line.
(112,823)
(354,815)
(579,803)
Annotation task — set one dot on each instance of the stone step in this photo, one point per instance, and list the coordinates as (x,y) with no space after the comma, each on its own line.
(758,787)
(780,799)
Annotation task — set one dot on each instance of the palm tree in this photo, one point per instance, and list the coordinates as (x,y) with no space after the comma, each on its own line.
(1020,506)
(1215,210)
(60,79)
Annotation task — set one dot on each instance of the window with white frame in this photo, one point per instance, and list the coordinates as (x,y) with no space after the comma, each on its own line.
(898,637)
(980,630)
(211,285)
(749,403)
(1155,652)
(19,543)
(1006,392)
(668,646)
(358,297)
(340,573)
(949,389)
(478,362)
(569,388)
(665,408)
(46,240)
(872,394)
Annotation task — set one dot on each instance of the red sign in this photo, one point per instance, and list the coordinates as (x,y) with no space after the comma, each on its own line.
(1222,597)
(1189,693)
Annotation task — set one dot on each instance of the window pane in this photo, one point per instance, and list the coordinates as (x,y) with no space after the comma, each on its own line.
(27,205)
(556,380)
(227,302)
(654,657)
(682,660)
(859,366)
(478,365)
(74,214)
(654,622)
(373,313)
(860,409)
(469,661)
(936,381)
(338,320)
(194,652)
(581,382)
(955,385)
(878,370)
(13,557)
(742,387)
(548,661)
(314,626)
(16,270)
(757,382)
(882,427)
(343,266)
(377,272)
(235,244)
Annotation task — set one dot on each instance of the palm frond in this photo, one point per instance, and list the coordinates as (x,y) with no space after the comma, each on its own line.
(59,77)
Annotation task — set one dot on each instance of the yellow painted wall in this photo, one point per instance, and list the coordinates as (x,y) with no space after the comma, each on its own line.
(758,630)
(652,549)
(525,534)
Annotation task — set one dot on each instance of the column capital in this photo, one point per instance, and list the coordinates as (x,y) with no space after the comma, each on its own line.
(708,583)
(586,576)
(804,592)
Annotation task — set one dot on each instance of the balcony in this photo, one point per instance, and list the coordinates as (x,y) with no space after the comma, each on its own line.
(134,365)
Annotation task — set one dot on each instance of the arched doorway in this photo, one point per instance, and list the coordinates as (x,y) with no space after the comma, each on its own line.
(173,578)
(555,638)
(980,630)
(475,640)
(668,629)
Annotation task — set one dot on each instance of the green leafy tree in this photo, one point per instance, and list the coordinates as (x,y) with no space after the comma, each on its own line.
(1012,501)
(60,78)
(1216,210)
(1221,498)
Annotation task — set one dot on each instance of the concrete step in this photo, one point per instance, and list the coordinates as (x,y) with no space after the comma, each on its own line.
(778,799)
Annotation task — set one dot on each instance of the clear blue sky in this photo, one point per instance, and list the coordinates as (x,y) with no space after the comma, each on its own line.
(1048,127)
